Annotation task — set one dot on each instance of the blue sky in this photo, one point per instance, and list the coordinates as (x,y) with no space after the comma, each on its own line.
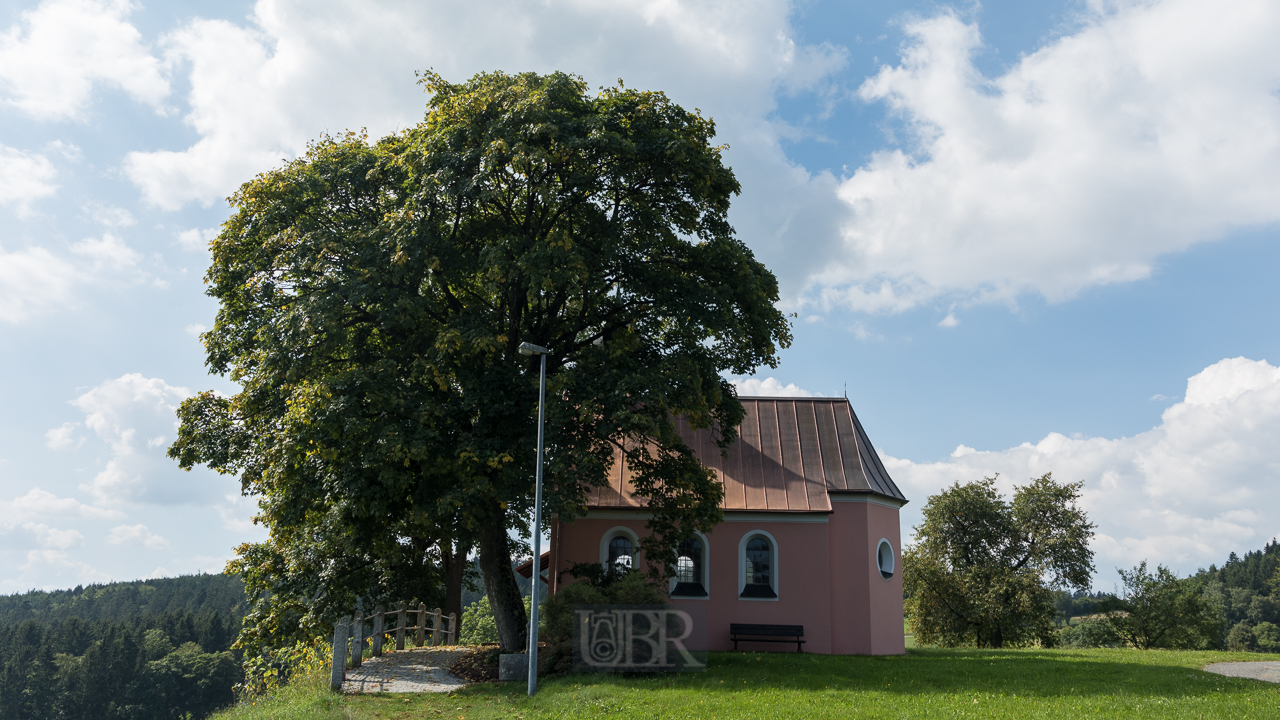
(1024,236)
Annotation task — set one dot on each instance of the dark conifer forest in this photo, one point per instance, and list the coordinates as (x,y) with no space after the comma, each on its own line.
(144,649)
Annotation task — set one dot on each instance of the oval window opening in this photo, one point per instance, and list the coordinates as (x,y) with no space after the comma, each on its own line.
(884,558)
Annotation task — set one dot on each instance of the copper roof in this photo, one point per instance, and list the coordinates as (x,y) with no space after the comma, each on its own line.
(790,453)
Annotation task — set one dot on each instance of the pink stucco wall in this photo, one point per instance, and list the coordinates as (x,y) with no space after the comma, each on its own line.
(827,579)
(866,608)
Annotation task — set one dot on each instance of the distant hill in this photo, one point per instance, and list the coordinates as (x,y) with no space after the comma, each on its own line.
(193,594)
(144,650)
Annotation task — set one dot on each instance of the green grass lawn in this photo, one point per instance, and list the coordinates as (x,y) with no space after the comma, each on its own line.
(925,683)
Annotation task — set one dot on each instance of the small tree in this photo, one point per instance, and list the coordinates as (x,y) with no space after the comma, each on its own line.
(982,570)
(1157,610)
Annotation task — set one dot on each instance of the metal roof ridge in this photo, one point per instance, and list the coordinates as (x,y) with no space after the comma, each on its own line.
(791,398)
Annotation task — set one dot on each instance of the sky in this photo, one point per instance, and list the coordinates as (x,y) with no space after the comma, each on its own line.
(1023,237)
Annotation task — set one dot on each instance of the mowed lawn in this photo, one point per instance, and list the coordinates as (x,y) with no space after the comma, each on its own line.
(925,683)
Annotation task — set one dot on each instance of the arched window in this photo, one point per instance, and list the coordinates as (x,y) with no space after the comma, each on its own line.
(758,569)
(620,553)
(884,558)
(690,581)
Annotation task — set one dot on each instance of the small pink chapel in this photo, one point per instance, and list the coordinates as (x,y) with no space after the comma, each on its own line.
(810,534)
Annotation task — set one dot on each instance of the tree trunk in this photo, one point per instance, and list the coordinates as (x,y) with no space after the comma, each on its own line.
(455,567)
(500,583)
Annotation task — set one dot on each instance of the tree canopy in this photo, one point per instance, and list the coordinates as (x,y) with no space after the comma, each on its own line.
(372,300)
(983,569)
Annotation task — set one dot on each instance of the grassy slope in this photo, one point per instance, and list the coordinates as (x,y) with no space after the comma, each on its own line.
(926,683)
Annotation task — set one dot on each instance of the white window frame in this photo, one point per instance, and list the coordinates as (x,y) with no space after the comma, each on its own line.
(773,570)
(613,532)
(706,571)
(893,560)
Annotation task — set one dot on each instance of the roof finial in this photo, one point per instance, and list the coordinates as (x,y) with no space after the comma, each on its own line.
(846,390)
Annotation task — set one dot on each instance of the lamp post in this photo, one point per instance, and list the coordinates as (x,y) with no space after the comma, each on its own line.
(536,566)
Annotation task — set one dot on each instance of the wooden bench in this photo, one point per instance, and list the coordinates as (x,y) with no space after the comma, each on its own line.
(747,632)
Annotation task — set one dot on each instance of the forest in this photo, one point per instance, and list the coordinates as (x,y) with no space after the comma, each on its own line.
(141,650)
(1247,590)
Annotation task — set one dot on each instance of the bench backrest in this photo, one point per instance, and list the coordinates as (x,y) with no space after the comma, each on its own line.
(775,630)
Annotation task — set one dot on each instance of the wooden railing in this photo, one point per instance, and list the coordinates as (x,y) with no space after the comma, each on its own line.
(443,630)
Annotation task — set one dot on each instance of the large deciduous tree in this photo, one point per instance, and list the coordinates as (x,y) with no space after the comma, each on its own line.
(372,301)
(982,569)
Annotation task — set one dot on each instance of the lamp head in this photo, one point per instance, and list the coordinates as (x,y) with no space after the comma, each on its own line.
(531,349)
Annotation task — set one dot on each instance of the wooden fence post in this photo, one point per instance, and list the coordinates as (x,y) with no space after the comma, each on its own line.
(436,636)
(400,621)
(357,640)
(338,672)
(378,614)
(453,628)
(422,625)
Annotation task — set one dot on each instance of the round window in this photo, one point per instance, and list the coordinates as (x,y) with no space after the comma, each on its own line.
(884,559)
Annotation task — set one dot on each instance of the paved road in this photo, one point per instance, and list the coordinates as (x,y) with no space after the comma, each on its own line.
(407,671)
(1269,671)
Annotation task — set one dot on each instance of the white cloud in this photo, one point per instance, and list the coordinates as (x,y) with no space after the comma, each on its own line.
(260,91)
(54,538)
(196,238)
(70,151)
(1154,127)
(108,215)
(128,414)
(195,329)
(237,513)
(949,321)
(24,178)
(51,60)
(770,387)
(1185,493)
(62,437)
(58,565)
(34,281)
(109,252)
(42,503)
(136,535)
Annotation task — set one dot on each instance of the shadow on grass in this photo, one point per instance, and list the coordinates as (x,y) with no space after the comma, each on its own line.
(1025,673)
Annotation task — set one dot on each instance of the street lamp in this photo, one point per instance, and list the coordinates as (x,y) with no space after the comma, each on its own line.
(531,349)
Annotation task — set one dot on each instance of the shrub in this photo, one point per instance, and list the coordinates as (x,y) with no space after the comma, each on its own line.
(1088,634)
(478,625)
(272,668)
(592,588)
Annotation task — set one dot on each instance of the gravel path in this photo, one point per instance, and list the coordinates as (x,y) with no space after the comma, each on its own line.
(1269,671)
(411,670)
